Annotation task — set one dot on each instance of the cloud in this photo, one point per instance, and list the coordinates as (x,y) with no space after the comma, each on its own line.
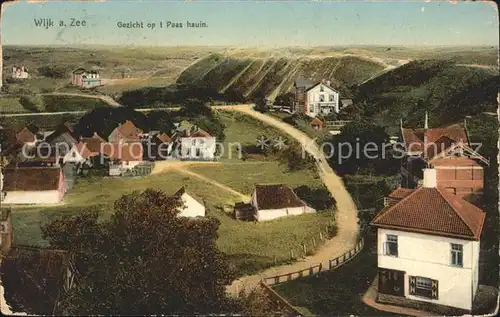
(422,9)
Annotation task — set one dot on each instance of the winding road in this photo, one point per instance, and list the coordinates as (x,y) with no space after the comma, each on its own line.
(347,220)
(346,216)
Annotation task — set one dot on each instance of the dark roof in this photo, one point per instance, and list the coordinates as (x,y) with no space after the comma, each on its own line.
(414,138)
(33,277)
(302,82)
(276,196)
(432,211)
(31,178)
(320,83)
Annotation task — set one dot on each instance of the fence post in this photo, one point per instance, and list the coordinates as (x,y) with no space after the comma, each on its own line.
(320,266)
(311,270)
(330,264)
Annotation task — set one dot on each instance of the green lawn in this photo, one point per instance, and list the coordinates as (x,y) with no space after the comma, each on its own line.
(251,246)
(55,103)
(243,176)
(11,105)
(338,292)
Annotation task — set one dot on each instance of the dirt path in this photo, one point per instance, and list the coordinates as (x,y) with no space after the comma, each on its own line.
(347,235)
(183,167)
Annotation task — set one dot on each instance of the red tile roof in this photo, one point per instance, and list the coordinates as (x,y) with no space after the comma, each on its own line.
(31,179)
(276,197)
(200,134)
(129,131)
(316,121)
(163,137)
(124,151)
(401,193)
(84,151)
(432,211)
(25,136)
(93,143)
(414,138)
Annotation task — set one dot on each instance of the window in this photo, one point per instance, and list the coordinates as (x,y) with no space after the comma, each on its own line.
(321,98)
(391,245)
(457,255)
(311,108)
(332,97)
(321,88)
(422,286)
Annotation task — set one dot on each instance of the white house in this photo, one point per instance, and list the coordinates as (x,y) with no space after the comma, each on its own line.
(275,201)
(192,207)
(321,99)
(197,145)
(33,185)
(19,72)
(428,247)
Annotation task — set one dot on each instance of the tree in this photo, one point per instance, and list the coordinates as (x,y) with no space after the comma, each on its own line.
(318,198)
(160,120)
(143,260)
(52,71)
(361,145)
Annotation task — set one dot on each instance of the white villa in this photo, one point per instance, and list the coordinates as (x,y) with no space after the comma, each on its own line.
(428,247)
(19,72)
(315,98)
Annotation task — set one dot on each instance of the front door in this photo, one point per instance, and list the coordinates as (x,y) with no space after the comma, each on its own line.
(391,282)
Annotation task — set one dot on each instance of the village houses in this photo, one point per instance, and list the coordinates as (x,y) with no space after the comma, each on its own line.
(315,98)
(459,167)
(428,247)
(189,142)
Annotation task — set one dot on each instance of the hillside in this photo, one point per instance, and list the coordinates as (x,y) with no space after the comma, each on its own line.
(271,74)
(449,91)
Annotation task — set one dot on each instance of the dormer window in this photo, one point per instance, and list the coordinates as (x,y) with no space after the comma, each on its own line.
(321,88)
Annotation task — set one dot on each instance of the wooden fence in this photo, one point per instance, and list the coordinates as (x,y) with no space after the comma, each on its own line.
(315,269)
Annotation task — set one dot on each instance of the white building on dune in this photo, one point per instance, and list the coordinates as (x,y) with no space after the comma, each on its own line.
(428,248)
(275,201)
(192,206)
(315,99)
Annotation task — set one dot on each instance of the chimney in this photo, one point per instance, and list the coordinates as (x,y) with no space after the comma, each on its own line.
(328,82)
(429,178)
(426,124)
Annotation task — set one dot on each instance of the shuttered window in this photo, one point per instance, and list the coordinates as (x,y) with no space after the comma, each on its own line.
(422,286)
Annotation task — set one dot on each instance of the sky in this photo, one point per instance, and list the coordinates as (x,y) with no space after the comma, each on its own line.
(253,23)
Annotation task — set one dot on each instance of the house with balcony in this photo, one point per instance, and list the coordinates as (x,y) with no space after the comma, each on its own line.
(315,98)
(428,244)
(448,150)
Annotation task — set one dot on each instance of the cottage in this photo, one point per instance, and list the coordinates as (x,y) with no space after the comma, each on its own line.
(317,124)
(33,185)
(428,247)
(5,230)
(315,98)
(19,72)
(275,201)
(85,79)
(123,156)
(126,132)
(198,145)
(459,167)
(192,206)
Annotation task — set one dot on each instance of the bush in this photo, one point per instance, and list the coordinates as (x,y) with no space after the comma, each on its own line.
(52,71)
(32,103)
(317,198)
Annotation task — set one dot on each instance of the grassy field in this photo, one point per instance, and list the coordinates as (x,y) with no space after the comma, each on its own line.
(338,292)
(55,103)
(251,246)
(115,62)
(11,105)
